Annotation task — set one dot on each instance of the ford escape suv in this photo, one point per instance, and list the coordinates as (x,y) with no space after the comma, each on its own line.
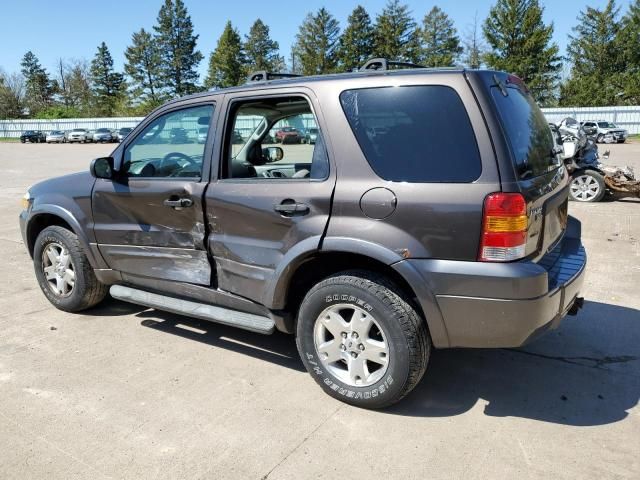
(431,212)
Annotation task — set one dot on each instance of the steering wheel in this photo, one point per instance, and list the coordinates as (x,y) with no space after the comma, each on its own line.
(178,155)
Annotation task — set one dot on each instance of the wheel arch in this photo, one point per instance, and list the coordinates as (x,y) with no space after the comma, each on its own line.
(340,255)
(50,215)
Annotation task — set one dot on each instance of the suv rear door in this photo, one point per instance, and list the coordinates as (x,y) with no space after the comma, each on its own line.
(263,208)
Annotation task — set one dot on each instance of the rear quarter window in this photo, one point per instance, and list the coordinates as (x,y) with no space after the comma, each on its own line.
(527,131)
(417,134)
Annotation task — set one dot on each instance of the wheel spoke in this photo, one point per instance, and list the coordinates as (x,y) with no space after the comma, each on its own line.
(64,259)
(52,255)
(50,272)
(334,322)
(358,370)
(375,351)
(331,350)
(361,323)
(69,277)
(59,285)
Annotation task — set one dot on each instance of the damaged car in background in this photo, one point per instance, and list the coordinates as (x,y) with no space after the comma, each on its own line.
(591,180)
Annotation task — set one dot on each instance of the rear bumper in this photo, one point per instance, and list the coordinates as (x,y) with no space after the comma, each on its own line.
(506,305)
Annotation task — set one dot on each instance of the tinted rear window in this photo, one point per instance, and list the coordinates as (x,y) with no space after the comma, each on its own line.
(527,130)
(418,134)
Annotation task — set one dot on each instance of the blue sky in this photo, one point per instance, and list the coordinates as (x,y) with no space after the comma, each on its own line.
(74,29)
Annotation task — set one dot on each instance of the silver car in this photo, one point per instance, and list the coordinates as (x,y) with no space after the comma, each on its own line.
(123,132)
(103,135)
(80,135)
(56,136)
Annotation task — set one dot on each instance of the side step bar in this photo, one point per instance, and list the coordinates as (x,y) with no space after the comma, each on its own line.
(247,321)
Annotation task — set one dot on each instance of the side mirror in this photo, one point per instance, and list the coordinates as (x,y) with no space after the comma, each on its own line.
(102,167)
(273,154)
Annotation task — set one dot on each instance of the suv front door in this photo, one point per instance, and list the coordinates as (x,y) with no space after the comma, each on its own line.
(270,202)
(149,220)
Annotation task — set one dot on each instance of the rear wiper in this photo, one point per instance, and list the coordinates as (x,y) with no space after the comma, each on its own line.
(500,85)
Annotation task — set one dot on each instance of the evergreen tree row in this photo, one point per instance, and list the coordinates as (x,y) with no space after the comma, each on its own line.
(602,65)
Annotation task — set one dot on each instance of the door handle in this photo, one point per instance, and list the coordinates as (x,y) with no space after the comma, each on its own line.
(176,202)
(289,208)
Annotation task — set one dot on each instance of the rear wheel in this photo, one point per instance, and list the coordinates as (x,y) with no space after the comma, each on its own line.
(587,186)
(361,341)
(63,271)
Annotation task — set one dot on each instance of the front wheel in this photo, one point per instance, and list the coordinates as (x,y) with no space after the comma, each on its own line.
(63,271)
(587,186)
(361,340)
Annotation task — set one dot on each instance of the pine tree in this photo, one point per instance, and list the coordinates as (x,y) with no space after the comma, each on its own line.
(227,61)
(143,68)
(440,41)
(596,59)
(629,42)
(262,53)
(106,84)
(396,36)
(356,42)
(522,44)
(474,46)
(177,45)
(39,89)
(317,43)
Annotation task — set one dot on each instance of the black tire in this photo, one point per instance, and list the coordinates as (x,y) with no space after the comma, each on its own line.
(599,179)
(22,140)
(400,327)
(600,138)
(87,290)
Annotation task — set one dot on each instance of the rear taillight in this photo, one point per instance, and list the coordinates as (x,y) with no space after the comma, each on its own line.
(504,228)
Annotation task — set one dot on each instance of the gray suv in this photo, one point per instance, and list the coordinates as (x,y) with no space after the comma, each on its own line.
(431,212)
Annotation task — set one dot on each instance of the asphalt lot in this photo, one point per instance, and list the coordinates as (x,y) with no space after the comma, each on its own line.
(123,392)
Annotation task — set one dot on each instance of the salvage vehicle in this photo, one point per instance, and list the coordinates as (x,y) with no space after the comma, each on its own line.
(591,180)
(605,132)
(33,136)
(430,213)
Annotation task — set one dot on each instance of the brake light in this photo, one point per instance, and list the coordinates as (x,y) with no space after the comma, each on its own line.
(504,228)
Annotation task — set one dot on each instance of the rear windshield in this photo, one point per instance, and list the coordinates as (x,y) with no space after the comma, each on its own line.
(418,134)
(527,130)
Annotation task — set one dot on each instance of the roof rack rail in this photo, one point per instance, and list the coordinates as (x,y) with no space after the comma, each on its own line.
(384,64)
(263,76)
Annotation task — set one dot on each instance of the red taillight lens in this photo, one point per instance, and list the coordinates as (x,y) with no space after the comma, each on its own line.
(504,228)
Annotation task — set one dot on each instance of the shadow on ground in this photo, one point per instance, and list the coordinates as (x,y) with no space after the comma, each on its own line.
(586,373)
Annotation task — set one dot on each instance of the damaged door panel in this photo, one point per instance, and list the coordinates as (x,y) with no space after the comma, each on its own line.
(149,218)
(139,235)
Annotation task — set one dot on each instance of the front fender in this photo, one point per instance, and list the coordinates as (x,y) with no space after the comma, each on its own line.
(40,209)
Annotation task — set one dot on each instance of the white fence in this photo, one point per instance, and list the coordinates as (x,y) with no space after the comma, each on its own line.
(13,128)
(624,117)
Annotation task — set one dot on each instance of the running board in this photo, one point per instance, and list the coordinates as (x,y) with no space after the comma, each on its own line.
(202,311)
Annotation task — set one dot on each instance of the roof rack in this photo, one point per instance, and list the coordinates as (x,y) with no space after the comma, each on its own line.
(264,76)
(384,64)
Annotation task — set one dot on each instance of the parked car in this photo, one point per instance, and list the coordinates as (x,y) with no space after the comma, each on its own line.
(446,228)
(310,135)
(202,134)
(123,132)
(103,135)
(79,135)
(56,136)
(33,136)
(604,131)
(178,135)
(288,135)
